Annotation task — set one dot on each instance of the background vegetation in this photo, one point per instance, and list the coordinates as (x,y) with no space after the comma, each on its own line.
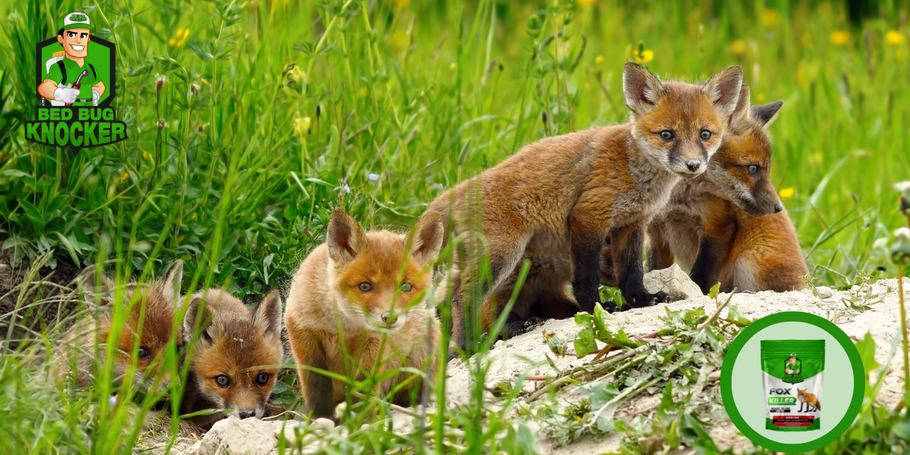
(249,121)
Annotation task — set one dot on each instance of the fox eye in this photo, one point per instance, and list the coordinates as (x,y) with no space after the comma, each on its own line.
(222,380)
(667,135)
(144,352)
(705,135)
(753,169)
(262,379)
(365,287)
(406,287)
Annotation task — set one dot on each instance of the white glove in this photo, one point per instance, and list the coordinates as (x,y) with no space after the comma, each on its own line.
(66,93)
(96,97)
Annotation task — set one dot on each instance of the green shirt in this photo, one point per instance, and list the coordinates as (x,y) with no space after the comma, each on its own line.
(72,73)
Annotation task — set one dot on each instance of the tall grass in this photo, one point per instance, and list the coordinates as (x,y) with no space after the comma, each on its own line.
(249,121)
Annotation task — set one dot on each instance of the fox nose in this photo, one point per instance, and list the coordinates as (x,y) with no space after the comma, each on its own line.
(778,207)
(245,414)
(693,165)
(385,316)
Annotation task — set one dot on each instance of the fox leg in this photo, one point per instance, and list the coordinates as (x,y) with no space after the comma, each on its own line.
(316,387)
(712,253)
(658,253)
(587,246)
(607,271)
(626,243)
(505,253)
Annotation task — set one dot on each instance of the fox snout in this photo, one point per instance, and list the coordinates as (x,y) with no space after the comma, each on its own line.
(392,320)
(688,164)
(246,414)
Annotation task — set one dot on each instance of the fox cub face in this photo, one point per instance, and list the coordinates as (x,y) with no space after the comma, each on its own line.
(147,331)
(379,277)
(677,124)
(740,170)
(237,351)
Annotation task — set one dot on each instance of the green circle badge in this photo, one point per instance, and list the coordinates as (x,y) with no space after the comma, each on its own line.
(792,382)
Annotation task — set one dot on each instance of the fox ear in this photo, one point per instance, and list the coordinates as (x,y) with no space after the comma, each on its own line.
(740,117)
(197,315)
(267,314)
(723,89)
(103,290)
(426,238)
(170,284)
(641,88)
(766,113)
(345,237)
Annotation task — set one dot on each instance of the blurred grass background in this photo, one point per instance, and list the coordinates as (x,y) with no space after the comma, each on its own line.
(249,121)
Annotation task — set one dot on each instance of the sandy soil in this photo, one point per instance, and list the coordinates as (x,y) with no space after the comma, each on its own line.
(523,355)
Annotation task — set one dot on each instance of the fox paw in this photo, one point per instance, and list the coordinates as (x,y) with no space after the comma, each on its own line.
(644,299)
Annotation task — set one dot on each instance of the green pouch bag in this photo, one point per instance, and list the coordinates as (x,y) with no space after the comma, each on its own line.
(792,373)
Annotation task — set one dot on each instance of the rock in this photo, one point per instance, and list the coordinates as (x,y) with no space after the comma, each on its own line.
(672,281)
(323,422)
(824,292)
(235,437)
(192,450)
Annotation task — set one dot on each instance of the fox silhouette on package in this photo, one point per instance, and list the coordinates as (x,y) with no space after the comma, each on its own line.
(809,400)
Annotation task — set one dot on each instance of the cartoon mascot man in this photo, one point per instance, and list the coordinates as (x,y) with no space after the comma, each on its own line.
(68,78)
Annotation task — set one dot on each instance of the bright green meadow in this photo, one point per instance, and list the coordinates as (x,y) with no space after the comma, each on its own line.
(248,122)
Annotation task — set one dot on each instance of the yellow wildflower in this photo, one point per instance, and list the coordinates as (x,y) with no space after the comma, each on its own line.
(399,39)
(402,3)
(770,18)
(760,97)
(643,56)
(586,3)
(179,38)
(786,193)
(302,125)
(840,37)
(815,158)
(124,176)
(599,59)
(146,156)
(738,47)
(894,37)
(364,91)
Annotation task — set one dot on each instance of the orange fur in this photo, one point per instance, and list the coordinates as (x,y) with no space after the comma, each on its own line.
(344,291)
(148,330)
(554,201)
(236,358)
(738,227)
(729,226)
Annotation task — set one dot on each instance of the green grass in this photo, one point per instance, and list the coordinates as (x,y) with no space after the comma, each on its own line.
(254,152)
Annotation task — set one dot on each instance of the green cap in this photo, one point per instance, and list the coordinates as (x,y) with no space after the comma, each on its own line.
(74,20)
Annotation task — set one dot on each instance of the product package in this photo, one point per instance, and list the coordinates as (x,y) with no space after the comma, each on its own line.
(792,377)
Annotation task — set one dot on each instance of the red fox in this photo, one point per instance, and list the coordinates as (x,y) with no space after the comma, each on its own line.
(553,202)
(809,400)
(146,335)
(237,355)
(355,283)
(729,225)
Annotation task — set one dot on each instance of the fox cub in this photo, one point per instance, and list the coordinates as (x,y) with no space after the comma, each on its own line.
(237,355)
(142,343)
(346,289)
(553,202)
(807,400)
(729,225)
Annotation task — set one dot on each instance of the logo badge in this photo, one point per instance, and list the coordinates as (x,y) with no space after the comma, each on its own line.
(75,79)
